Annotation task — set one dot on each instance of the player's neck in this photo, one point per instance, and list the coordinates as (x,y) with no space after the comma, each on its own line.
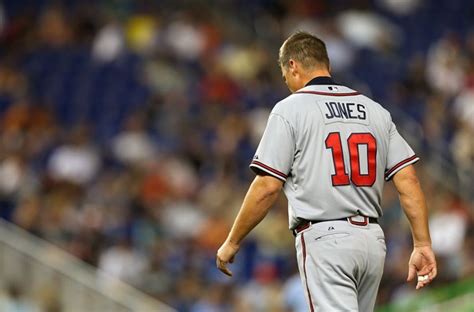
(307,77)
(310,75)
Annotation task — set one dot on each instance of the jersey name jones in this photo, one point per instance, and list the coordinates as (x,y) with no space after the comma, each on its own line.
(345,110)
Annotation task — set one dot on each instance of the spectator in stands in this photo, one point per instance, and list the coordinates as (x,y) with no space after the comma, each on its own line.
(123,262)
(133,145)
(77,161)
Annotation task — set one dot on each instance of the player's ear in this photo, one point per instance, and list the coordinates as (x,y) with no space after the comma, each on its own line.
(291,63)
(293,67)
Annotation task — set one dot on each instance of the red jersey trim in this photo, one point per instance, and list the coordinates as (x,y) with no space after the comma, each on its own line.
(278,174)
(329,93)
(304,271)
(400,165)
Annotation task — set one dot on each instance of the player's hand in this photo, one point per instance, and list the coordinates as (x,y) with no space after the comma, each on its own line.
(423,265)
(225,255)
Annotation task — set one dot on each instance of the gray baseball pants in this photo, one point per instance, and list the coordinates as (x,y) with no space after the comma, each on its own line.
(341,265)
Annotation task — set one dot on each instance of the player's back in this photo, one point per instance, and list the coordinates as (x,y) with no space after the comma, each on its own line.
(343,146)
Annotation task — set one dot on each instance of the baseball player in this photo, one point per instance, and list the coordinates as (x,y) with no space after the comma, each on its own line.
(331,149)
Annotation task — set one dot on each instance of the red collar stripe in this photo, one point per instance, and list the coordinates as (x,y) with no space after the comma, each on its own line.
(329,93)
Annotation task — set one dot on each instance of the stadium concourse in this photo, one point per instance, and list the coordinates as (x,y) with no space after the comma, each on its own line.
(126,129)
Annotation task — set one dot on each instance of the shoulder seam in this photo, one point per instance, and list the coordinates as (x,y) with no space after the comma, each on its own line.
(293,130)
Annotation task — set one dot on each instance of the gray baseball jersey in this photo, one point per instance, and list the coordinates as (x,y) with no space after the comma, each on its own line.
(333,147)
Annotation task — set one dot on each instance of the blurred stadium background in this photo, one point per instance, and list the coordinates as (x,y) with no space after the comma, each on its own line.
(126,129)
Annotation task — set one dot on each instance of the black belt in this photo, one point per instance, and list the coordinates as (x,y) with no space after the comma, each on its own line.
(304,224)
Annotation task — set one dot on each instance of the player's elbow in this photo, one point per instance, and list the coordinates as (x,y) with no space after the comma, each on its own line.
(268,185)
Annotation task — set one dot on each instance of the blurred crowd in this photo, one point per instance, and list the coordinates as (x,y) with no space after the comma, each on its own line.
(127,127)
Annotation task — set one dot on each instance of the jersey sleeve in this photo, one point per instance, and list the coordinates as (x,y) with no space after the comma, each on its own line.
(400,154)
(275,151)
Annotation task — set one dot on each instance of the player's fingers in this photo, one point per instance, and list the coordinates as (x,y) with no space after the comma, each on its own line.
(225,270)
(411,272)
(424,271)
(429,270)
(422,284)
(430,276)
(433,273)
(427,281)
(419,285)
(222,266)
(423,280)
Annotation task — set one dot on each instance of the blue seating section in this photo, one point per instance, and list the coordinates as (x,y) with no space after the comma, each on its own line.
(81,89)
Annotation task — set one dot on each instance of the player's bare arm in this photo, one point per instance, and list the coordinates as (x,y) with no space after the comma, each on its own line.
(422,262)
(260,198)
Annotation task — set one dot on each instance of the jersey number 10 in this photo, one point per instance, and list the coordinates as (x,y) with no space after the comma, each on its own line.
(333,142)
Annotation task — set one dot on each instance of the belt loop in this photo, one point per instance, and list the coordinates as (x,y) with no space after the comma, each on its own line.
(359,223)
(303,226)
